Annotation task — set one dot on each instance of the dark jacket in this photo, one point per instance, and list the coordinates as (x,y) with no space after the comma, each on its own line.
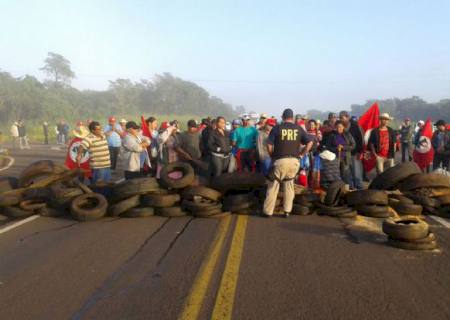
(356,132)
(434,142)
(374,140)
(204,141)
(219,143)
(406,133)
(331,144)
(329,171)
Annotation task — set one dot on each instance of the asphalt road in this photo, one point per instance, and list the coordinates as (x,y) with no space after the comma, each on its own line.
(231,268)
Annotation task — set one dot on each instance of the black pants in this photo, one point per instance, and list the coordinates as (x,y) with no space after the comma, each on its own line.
(133,174)
(247,160)
(439,159)
(113,155)
(406,151)
(219,165)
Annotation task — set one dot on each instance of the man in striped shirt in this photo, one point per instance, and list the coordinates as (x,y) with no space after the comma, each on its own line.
(97,146)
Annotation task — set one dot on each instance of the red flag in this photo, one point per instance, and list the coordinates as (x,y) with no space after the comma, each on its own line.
(423,153)
(71,157)
(368,121)
(145,130)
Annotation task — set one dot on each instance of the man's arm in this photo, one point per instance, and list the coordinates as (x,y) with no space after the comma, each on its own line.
(270,149)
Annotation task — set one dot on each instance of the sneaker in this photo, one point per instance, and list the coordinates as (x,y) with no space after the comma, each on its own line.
(286,215)
(265,215)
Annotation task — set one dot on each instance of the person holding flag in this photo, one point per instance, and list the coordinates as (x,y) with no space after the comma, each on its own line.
(382,144)
(80,132)
(368,121)
(423,152)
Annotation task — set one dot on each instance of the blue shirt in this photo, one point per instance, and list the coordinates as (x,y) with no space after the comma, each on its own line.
(245,137)
(114,140)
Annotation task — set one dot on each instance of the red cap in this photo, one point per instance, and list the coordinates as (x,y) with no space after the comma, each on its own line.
(164,125)
(271,122)
(111,119)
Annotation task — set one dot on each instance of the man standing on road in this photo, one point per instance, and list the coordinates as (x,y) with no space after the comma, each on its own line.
(441,144)
(97,146)
(220,148)
(188,145)
(133,144)
(406,136)
(382,144)
(284,144)
(113,133)
(355,163)
(262,146)
(244,139)
(14,131)
(23,138)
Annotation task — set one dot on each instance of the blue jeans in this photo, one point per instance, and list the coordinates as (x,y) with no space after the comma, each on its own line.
(265,166)
(356,168)
(103,174)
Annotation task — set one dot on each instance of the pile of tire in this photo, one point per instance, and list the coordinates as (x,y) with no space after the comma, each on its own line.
(43,188)
(370,203)
(305,203)
(333,203)
(410,233)
(203,202)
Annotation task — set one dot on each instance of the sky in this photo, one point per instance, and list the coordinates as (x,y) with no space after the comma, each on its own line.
(261,54)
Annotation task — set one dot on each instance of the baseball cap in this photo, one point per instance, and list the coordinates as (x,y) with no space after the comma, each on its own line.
(271,122)
(111,119)
(263,115)
(332,115)
(123,121)
(132,125)
(164,125)
(236,122)
(440,123)
(192,124)
(287,113)
(246,117)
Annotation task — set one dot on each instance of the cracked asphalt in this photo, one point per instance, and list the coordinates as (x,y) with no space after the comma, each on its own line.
(298,268)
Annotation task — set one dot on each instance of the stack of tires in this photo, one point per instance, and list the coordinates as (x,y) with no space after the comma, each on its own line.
(370,203)
(416,192)
(305,203)
(333,204)
(410,233)
(240,202)
(203,202)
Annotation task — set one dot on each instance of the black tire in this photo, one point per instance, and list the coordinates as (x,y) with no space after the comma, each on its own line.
(9,201)
(124,205)
(430,180)
(170,212)
(8,183)
(407,245)
(51,212)
(374,211)
(37,193)
(324,210)
(238,181)
(243,212)
(405,209)
(62,197)
(298,209)
(350,214)
(430,237)
(392,177)
(405,228)
(362,197)
(401,198)
(306,198)
(444,211)
(129,188)
(194,206)
(37,170)
(203,192)
(160,200)
(32,205)
(142,212)
(187,179)
(237,199)
(334,192)
(89,207)
(426,201)
(16,213)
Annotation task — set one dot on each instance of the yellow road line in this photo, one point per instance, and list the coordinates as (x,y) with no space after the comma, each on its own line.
(194,302)
(223,308)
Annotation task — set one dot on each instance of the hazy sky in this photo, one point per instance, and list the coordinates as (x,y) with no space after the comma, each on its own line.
(262,54)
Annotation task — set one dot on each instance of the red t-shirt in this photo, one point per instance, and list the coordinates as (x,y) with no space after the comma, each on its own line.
(384,143)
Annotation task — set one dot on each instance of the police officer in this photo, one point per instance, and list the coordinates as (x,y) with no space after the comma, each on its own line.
(284,147)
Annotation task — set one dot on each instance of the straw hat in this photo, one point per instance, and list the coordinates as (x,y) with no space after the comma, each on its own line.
(385,116)
(81,132)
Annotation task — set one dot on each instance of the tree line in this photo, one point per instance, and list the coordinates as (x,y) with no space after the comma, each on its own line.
(53,99)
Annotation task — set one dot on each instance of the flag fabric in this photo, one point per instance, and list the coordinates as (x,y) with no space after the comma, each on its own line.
(368,121)
(423,152)
(71,157)
(146,132)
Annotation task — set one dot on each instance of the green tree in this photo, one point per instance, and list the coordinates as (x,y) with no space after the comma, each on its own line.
(57,67)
